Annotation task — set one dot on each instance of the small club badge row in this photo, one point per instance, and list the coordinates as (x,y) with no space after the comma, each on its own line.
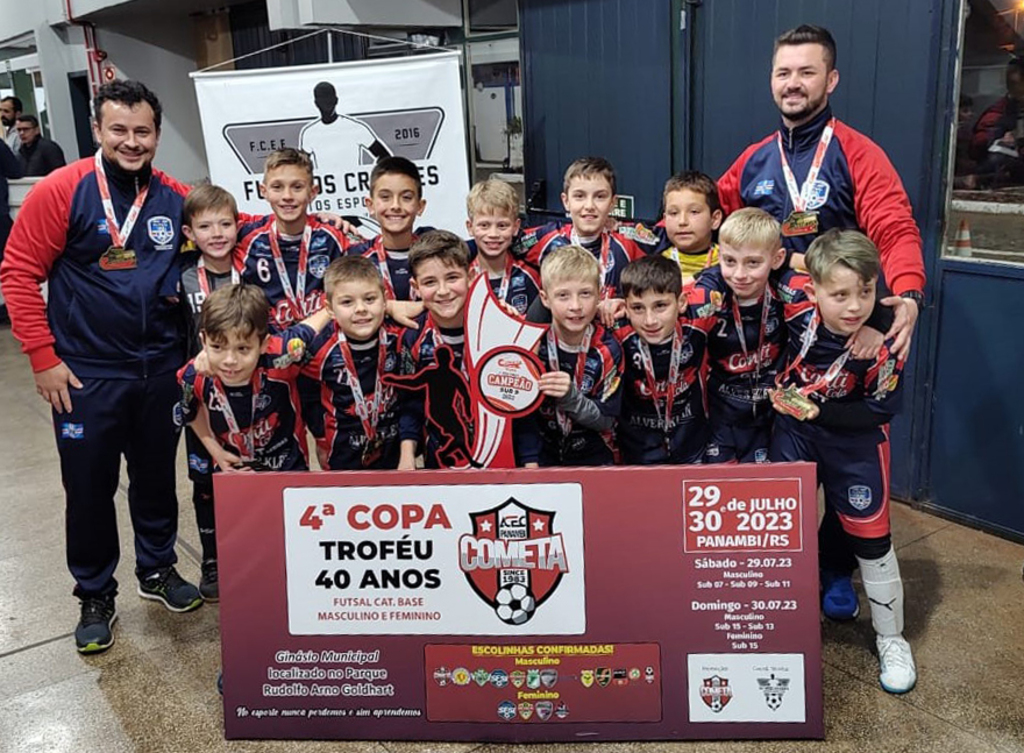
(541,710)
(536,679)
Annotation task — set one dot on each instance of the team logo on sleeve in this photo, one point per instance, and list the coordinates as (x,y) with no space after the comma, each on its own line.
(764,187)
(161,231)
(513,560)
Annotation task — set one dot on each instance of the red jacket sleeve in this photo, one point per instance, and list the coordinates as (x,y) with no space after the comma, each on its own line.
(37,240)
(729,184)
(883,211)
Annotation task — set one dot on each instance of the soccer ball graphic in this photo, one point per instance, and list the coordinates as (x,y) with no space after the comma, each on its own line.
(515,604)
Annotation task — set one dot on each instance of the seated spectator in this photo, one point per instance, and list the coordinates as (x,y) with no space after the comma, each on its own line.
(39,156)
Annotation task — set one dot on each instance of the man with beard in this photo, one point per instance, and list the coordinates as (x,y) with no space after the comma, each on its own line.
(104,347)
(10,109)
(813,174)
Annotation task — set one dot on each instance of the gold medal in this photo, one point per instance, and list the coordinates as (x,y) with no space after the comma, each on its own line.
(800,223)
(116,258)
(793,403)
(372,450)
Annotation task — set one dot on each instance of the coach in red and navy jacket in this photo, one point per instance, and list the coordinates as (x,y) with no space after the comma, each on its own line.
(105,232)
(839,177)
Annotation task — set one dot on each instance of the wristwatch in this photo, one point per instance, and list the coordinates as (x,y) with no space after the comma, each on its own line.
(916,296)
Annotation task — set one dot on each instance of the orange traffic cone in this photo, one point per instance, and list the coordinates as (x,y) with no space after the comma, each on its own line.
(962,245)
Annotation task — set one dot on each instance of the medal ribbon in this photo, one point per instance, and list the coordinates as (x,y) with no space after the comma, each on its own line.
(476,269)
(118,234)
(673,377)
(378,252)
(368,411)
(204,280)
(801,196)
(564,422)
(234,430)
(296,296)
(738,320)
(807,340)
(605,260)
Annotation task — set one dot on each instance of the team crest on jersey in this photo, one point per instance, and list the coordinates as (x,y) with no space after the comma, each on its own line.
(859,497)
(513,559)
(819,195)
(161,231)
(686,353)
(318,266)
(771,325)
(764,187)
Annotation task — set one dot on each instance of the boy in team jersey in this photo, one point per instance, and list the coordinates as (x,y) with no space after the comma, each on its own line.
(663,417)
(395,201)
(834,411)
(350,359)
(493,210)
(583,386)
(211,224)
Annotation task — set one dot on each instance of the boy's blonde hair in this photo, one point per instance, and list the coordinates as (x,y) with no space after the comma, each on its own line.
(751,227)
(288,156)
(842,248)
(351,269)
(492,196)
(207,198)
(570,263)
(589,167)
(447,247)
(240,309)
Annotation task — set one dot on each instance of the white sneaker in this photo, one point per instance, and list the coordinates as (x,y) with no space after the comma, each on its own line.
(898,674)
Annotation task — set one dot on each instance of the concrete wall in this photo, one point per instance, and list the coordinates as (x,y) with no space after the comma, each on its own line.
(61,51)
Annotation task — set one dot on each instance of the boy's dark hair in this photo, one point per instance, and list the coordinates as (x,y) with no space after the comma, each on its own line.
(698,182)
(651,274)
(129,93)
(589,167)
(288,156)
(396,166)
(208,197)
(240,309)
(18,106)
(351,269)
(809,34)
(32,120)
(447,247)
(842,248)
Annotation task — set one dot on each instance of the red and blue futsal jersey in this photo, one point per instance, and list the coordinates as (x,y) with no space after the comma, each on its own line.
(518,286)
(612,251)
(663,418)
(290,270)
(856,187)
(746,342)
(360,418)
(848,440)
(596,370)
(259,421)
(393,265)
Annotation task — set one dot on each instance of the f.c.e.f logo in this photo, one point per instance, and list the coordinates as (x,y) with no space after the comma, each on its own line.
(514,560)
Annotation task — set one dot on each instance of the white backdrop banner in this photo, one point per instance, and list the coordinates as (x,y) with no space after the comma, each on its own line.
(345,115)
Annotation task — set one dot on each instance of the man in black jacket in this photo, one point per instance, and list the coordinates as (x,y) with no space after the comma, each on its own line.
(39,156)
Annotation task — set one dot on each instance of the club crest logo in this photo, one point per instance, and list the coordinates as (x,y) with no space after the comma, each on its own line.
(161,230)
(860,497)
(513,559)
(507,710)
(525,710)
(774,688)
(603,675)
(461,676)
(716,693)
(819,195)
(318,265)
(548,677)
(544,710)
(442,676)
(533,679)
(587,677)
(764,187)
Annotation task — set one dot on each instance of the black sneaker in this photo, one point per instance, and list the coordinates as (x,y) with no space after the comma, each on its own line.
(208,585)
(94,632)
(171,590)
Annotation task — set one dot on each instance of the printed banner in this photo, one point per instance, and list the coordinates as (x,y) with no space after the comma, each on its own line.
(345,115)
(660,603)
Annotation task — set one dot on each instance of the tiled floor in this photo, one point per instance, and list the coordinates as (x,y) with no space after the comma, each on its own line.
(154,690)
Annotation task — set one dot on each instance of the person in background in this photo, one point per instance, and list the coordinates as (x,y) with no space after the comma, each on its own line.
(10,110)
(38,155)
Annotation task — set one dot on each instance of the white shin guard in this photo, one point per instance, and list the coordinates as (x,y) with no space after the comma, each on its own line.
(884,589)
